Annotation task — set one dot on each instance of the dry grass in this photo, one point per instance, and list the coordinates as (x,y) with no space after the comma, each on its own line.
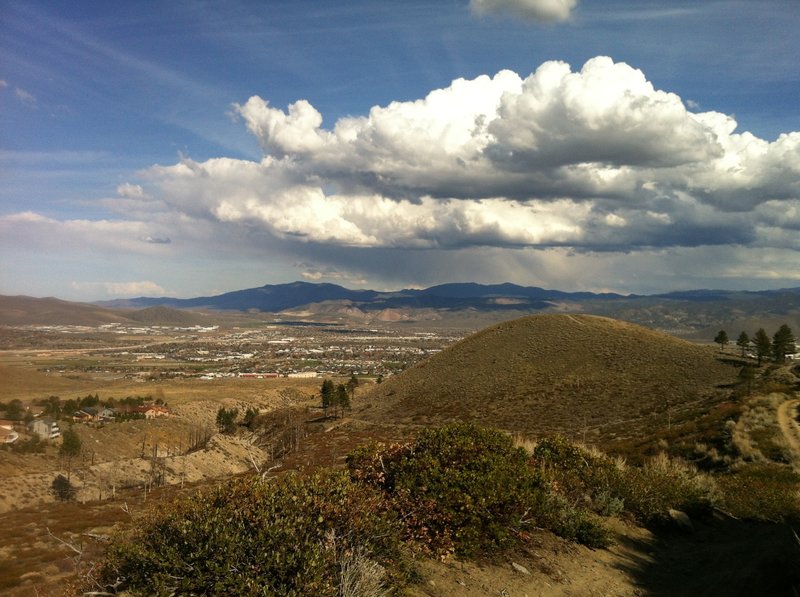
(590,378)
(756,435)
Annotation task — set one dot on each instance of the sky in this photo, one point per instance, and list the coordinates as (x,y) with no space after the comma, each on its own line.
(189,148)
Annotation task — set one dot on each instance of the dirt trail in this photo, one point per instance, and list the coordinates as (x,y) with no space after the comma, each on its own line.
(787,413)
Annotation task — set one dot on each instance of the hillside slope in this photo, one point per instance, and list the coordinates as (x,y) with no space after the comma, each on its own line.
(25,310)
(569,374)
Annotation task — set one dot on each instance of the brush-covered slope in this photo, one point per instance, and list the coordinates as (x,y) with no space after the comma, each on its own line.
(552,373)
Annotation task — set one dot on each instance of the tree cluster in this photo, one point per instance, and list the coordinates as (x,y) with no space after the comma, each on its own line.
(226,419)
(337,397)
(781,344)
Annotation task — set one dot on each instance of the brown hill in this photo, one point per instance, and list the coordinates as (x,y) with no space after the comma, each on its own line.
(570,374)
(167,316)
(26,310)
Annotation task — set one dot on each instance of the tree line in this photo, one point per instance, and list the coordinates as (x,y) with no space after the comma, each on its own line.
(781,344)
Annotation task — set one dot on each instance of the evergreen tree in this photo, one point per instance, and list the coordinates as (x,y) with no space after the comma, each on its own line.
(62,489)
(328,394)
(352,384)
(763,345)
(783,343)
(249,417)
(70,447)
(226,420)
(14,410)
(342,397)
(743,341)
(722,339)
(52,407)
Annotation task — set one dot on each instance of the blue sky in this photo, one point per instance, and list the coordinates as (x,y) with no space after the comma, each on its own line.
(187,148)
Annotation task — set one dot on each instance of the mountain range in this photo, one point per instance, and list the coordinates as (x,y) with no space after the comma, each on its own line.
(279,297)
(692,313)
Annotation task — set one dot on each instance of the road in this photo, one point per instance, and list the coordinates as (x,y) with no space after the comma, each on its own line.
(787,420)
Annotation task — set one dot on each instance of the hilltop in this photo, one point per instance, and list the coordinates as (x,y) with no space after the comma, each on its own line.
(549,373)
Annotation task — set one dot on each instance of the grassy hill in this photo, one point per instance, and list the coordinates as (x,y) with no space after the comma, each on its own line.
(578,375)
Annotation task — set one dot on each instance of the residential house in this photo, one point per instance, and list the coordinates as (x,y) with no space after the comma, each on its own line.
(88,414)
(45,428)
(151,411)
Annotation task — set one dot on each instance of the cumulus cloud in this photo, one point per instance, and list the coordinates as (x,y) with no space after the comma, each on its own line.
(594,159)
(561,161)
(534,10)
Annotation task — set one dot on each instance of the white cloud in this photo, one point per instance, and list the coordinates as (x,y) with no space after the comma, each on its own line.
(29,229)
(560,162)
(25,97)
(130,191)
(596,159)
(121,289)
(534,10)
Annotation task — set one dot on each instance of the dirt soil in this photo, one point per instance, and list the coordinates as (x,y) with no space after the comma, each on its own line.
(787,421)
(720,556)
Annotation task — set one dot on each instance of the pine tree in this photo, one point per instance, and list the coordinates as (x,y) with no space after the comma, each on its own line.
(743,341)
(70,447)
(342,397)
(352,384)
(763,345)
(226,420)
(328,394)
(722,339)
(783,343)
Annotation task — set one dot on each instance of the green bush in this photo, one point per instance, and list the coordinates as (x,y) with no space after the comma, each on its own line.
(462,488)
(253,537)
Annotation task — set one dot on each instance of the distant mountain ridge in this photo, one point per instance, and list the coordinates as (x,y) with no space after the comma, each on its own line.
(697,314)
(279,297)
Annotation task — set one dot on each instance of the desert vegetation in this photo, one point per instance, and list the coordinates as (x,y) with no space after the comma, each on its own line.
(459,489)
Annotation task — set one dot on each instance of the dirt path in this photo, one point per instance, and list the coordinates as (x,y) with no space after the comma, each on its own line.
(787,413)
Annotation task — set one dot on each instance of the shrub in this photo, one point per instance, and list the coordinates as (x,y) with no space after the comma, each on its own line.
(62,489)
(664,483)
(607,486)
(763,492)
(287,537)
(33,445)
(461,488)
